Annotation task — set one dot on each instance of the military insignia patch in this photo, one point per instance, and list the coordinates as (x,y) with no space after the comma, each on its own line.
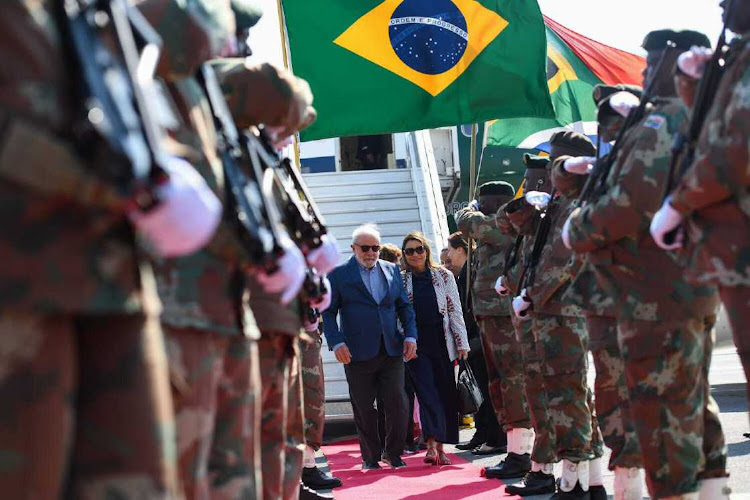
(427,42)
(654,121)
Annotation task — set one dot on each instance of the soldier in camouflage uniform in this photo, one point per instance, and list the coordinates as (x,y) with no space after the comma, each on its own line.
(79,322)
(611,392)
(210,331)
(713,196)
(517,219)
(560,333)
(663,323)
(502,350)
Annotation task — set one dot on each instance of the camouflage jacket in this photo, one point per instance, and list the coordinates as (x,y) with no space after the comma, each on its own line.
(203,290)
(271,315)
(488,261)
(646,282)
(518,220)
(715,190)
(56,255)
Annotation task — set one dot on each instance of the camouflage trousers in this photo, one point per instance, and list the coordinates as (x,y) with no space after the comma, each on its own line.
(545,442)
(86,405)
(313,391)
(215,381)
(562,343)
(736,301)
(282,435)
(502,354)
(675,418)
(611,394)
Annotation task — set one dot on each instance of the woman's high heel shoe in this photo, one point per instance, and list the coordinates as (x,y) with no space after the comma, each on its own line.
(443,459)
(431,457)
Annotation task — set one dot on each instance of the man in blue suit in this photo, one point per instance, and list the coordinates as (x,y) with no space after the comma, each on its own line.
(369,295)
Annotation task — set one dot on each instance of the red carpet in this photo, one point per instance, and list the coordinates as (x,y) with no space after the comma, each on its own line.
(418,480)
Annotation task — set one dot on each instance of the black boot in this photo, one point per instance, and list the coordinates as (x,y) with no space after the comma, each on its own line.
(598,493)
(314,478)
(576,493)
(306,493)
(476,440)
(513,466)
(533,483)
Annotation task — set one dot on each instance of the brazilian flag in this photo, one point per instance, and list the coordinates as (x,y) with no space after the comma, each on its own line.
(400,65)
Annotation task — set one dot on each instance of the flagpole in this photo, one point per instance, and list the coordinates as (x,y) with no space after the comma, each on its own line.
(472,189)
(287,65)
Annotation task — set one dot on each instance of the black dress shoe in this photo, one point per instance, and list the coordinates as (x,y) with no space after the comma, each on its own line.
(576,493)
(598,493)
(486,449)
(476,440)
(394,462)
(306,493)
(513,466)
(314,478)
(370,465)
(533,483)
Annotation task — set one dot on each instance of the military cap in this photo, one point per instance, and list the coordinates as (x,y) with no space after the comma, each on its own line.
(657,40)
(567,142)
(534,161)
(497,188)
(602,92)
(247,13)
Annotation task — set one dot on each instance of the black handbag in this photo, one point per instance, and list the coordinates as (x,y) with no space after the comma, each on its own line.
(469,395)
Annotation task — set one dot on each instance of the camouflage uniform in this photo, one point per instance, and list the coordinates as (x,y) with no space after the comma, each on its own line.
(282,434)
(662,319)
(715,194)
(514,219)
(78,320)
(314,390)
(502,351)
(561,336)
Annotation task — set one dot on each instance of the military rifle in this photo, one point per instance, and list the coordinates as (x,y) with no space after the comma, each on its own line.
(596,183)
(253,210)
(683,147)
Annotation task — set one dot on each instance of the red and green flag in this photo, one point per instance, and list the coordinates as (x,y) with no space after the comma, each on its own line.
(400,65)
(575,64)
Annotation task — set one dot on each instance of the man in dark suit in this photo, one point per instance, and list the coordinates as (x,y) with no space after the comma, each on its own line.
(369,295)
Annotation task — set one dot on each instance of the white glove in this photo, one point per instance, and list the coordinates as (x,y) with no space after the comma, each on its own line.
(521,304)
(289,276)
(538,199)
(666,220)
(474,205)
(311,327)
(581,165)
(187,215)
(693,62)
(327,256)
(623,102)
(566,234)
(500,287)
(323,302)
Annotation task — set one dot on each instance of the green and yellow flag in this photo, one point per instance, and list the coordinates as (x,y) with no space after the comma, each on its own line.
(400,65)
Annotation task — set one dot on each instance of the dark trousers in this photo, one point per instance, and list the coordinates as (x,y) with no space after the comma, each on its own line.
(409,390)
(485,419)
(381,377)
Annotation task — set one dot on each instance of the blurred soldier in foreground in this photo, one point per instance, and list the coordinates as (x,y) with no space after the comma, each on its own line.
(664,324)
(712,197)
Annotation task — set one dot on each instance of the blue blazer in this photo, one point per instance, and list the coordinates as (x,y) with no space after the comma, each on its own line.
(362,319)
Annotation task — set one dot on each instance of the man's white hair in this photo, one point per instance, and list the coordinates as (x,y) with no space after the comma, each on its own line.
(366,229)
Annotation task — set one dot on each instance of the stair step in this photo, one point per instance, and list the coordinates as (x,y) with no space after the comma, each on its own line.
(341,178)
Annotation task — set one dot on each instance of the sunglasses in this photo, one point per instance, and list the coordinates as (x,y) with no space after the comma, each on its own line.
(410,251)
(367,248)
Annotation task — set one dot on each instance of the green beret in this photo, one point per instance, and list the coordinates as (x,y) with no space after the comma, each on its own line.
(567,142)
(497,188)
(534,161)
(247,14)
(602,92)
(657,40)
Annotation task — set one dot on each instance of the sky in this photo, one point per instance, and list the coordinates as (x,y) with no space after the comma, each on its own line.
(619,23)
